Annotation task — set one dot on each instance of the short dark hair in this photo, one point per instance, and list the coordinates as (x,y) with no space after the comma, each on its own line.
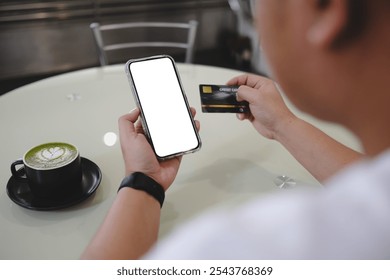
(358,17)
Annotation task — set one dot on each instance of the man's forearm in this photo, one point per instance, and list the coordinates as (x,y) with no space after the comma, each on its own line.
(130,228)
(320,154)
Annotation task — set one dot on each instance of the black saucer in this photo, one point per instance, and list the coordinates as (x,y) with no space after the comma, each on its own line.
(19,191)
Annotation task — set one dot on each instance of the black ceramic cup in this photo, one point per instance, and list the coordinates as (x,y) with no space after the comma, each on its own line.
(52,170)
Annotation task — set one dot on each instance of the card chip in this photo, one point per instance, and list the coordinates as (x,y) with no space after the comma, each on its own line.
(207,89)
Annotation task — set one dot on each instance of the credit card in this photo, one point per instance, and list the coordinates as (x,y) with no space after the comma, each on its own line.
(221,99)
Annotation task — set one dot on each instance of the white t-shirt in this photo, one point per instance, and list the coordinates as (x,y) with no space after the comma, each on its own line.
(348,219)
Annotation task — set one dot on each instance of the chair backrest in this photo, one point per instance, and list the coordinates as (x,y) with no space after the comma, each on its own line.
(187,44)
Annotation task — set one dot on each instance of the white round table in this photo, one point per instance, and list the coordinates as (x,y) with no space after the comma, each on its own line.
(82,107)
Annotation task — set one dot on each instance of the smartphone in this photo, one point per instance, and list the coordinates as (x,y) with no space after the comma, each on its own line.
(165,113)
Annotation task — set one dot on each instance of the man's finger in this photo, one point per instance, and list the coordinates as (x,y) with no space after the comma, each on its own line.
(246,93)
(126,122)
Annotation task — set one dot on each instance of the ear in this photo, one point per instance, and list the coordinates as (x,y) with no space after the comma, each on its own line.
(331,20)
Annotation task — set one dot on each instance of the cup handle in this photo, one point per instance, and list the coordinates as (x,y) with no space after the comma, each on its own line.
(18,173)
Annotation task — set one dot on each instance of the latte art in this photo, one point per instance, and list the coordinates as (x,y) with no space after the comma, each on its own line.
(51,155)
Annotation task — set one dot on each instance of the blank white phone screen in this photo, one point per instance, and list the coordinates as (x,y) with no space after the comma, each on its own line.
(165,112)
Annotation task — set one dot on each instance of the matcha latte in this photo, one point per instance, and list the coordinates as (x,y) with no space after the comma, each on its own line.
(50,155)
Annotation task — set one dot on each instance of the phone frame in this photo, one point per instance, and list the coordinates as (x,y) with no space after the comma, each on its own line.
(143,119)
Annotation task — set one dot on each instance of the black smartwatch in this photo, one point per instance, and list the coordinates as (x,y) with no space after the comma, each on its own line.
(140,181)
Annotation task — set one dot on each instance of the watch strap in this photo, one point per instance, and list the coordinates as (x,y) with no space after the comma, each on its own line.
(140,181)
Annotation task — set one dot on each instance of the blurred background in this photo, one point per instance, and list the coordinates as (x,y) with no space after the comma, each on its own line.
(39,39)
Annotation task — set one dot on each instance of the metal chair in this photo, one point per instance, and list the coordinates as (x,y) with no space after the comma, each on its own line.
(188,44)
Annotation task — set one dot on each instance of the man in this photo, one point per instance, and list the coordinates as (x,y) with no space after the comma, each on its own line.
(331,57)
